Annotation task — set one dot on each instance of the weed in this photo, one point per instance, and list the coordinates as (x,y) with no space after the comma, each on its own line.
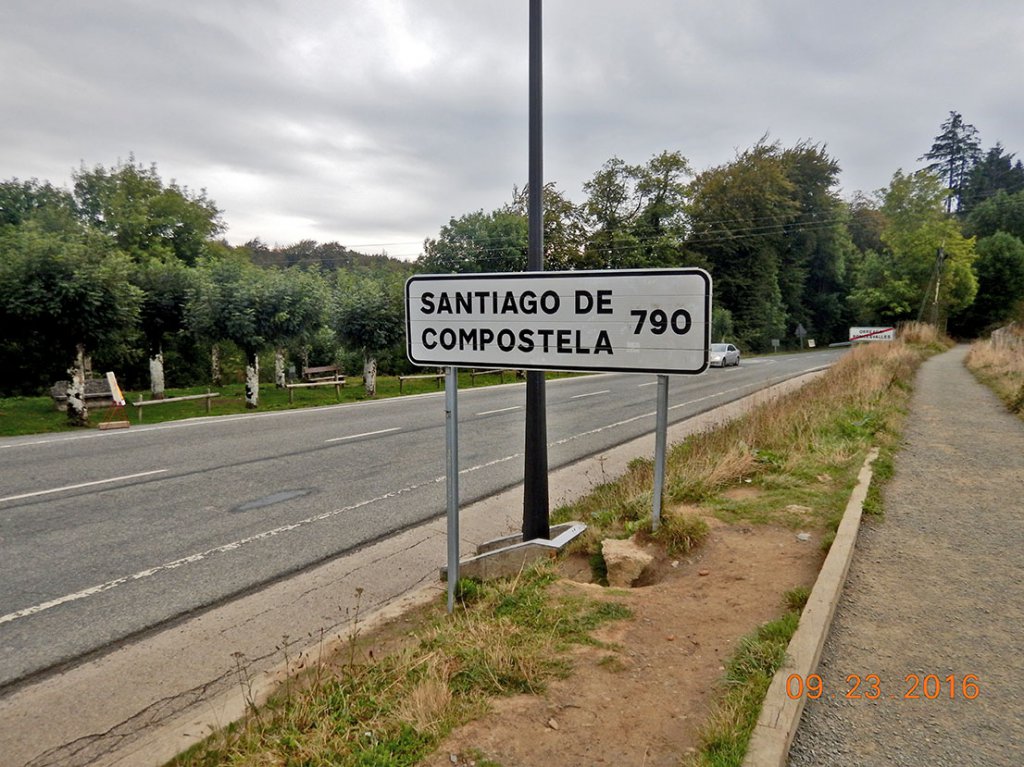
(796,599)
(748,673)
(682,532)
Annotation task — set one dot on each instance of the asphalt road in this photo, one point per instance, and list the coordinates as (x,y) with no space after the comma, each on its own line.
(107,534)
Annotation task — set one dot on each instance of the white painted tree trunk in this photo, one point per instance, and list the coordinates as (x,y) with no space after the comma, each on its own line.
(370,375)
(215,365)
(78,412)
(156,374)
(279,359)
(252,381)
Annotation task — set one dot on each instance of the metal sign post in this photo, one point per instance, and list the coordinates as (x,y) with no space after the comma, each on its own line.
(451,426)
(660,438)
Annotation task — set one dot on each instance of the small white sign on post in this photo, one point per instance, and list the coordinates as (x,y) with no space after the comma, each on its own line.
(638,321)
(880,333)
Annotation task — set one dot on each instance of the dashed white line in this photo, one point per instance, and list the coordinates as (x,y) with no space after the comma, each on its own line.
(501,410)
(81,485)
(591,394)
(364,434)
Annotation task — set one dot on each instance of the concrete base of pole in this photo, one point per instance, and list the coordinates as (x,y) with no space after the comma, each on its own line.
(508,555)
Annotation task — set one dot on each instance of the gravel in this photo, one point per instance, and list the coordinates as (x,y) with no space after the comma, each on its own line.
(936,593)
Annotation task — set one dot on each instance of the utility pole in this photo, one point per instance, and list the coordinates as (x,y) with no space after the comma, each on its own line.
(936,281)
(535,484)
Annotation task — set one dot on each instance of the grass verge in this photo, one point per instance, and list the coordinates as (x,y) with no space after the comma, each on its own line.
(791,462)
(1000,366)
(748,673)
(37,415)
(508,636)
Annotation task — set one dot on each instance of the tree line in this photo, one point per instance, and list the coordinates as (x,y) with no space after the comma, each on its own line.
(132,271)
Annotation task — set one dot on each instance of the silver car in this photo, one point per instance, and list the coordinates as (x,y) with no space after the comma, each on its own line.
(723,355)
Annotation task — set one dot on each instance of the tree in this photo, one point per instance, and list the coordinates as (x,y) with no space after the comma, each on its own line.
(368,316)
(814,275)
(478,242)
(995,172)
(954,153)
(228,301)
(636,213)
(296,303)
(738,215)
(20,201)
(165,287)
(145,218)
(1002,212)
(1000,270)
(926,260)
(62,296)
(565,231)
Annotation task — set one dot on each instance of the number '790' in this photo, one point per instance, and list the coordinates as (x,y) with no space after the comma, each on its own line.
(661,322)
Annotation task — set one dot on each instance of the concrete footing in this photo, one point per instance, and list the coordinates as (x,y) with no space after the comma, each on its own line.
(509,554)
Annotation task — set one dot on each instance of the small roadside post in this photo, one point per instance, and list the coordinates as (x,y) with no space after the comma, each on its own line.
(660,438)
(451,424)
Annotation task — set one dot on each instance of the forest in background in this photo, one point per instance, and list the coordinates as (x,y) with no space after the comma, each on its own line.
(133,272)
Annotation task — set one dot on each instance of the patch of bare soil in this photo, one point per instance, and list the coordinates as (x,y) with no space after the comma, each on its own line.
(641,700)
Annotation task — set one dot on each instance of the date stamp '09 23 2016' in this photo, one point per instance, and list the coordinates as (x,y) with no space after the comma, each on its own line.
(869,687)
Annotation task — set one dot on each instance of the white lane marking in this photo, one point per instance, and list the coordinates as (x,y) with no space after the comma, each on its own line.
(651,414)
(81,485)
(501,410)
(364,434)
(591,394)
(194,558)
(26,612)
(649,383)
(710,396)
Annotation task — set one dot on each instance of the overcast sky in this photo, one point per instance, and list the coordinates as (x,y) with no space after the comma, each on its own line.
(373,122)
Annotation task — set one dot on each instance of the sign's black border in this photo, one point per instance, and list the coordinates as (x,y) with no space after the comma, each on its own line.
(692,271)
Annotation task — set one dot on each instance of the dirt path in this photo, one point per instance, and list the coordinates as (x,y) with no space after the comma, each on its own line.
(937,588)
(639,700)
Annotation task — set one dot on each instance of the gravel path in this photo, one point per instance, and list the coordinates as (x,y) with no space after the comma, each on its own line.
(937,588)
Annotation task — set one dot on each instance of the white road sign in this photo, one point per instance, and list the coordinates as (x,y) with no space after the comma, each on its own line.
(649,320)
(881,333)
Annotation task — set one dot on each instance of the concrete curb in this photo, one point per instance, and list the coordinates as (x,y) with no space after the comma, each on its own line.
(780,714)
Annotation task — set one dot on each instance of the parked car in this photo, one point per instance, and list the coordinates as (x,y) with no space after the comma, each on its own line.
(723,355)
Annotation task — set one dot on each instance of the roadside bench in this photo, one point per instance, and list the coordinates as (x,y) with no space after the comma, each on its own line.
(97,393)
(318,375)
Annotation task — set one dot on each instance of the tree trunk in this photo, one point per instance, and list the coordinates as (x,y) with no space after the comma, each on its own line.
(370,375)
(156,373)
(78,412)
(279,357)
(215,365)
(252,380)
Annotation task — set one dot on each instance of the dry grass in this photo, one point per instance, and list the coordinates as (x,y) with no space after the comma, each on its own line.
(802,449)
(824,424)
(506,637)
(1000,365)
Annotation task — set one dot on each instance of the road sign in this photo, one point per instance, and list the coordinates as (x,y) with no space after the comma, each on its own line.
(881,333)
(641,321)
